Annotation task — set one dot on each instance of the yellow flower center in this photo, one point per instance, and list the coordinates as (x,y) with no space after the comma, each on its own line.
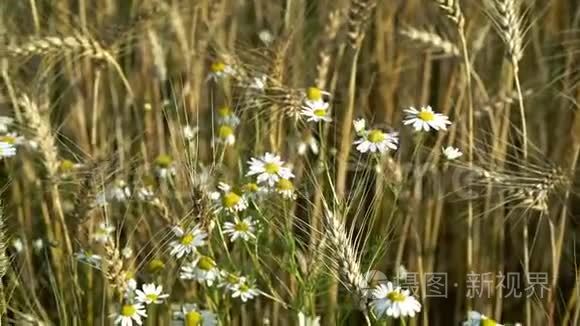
(224,111)
(284,184)
(152,296)
(163,160)
(376,136)
(128,310)
(156,265)
(314,94)
(187,239)
(244,288)
(66,166)
(232,279)
(205,263)
(218,66)
(231,199)
(320,112)
(271,168)
(225,131)
(396,296)
(193,318)
(488,322)
(8,139)
(242,227)
(250,187)
(426,116)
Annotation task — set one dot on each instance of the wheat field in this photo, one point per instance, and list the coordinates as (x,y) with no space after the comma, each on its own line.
(289,162)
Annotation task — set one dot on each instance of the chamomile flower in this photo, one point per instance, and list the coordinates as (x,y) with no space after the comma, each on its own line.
(304,320)
(225,116)
(5,123)
(131,313)
(316,112)
(425,119)
(203,269)
(315,97)
(127,252)
(253,190)
(188,242)
(229,200)
(150,293)
(228,280)
(219,69)
(377,141)
(18,245)
(38,245)
(360,125)
(285,188)
(7,149)
(189,132)
(451,153)
(477,319)
(103,233)
(66,167)
(240,229)
(244,290)
(164,166)
(308,142)
(393,301)
(119,191)
(226,135)
(193,316)
(269,169)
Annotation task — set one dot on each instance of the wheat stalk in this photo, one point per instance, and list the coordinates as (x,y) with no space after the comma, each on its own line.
(348,263)
(432,40)
(4,262)
(358,18)
(452,10)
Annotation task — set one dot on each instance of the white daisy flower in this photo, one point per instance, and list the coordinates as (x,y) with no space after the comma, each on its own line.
(220,69)
(304,320)
(425,119)
(5,123)
(188,241)
(240,229)
(38,245)
(229,200)
(131,313)
(259,83)
(315,98)
(127,252)
(164,166)
(130,286)
(18,245)
(244,290)
(360,125)
(269,168)
(151,294)
(254,191)
(226,135)
(119,192)
(393,301)
(189,132)
(192,315)
(308,142)
(377,141)
(452,153)
(285,188)
(474,318)
(103,233)
(7,149)
(228,280)
(203,269)
(225,116)
(316,112)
